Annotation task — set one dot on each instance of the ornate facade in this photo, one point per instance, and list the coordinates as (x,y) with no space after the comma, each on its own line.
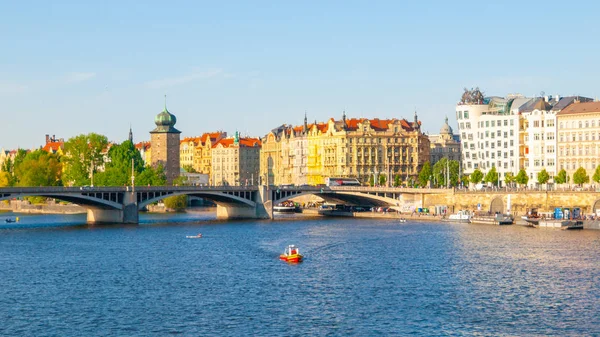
(358,148)
(445,145)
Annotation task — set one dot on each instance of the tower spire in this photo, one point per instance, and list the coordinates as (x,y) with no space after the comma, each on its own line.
(166,102)
(130,134)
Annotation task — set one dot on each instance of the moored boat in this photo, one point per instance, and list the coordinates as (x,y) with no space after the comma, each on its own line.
(460,216)
(291,254)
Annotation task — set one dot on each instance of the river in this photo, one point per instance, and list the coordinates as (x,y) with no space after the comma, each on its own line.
(360,277)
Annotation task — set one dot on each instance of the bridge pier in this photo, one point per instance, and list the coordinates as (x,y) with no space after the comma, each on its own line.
(262,210)
(128,215)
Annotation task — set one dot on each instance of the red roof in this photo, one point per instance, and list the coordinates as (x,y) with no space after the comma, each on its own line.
(53,147)
(244,142)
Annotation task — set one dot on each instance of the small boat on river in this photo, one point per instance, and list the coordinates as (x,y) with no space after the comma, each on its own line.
(197,236)
(291,254)
(286,207)
(9,220)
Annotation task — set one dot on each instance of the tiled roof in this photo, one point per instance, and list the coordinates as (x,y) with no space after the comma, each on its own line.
(244,142)
(53,147)
(576,108)
(144,145)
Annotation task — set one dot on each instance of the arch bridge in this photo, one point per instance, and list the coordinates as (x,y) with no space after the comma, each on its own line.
(122,204)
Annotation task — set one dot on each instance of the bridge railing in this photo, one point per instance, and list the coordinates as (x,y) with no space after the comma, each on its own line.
(390,189)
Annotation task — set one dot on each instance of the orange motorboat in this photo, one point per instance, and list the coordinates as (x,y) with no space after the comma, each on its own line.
(291,254)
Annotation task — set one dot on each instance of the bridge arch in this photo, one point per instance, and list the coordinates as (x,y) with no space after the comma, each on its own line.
(219,198)
(356,198)
(84,200)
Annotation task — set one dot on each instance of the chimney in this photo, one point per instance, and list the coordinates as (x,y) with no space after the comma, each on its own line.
(47,139)
(546,98)
(53,138)
(557,97)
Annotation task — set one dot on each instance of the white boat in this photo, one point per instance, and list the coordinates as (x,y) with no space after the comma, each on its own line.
(460,216)
(198,236)
(402,220)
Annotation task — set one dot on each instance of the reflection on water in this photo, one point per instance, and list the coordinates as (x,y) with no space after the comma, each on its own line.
(360,277)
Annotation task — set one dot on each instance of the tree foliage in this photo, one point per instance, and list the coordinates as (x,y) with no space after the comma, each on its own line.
(596,176)
(522,178)
(442,168)
(152,176)
(5,179)
(543,176)
(492,176)
(580,176)
(382,180)
(476,176)
(561,177)
(397,180)
(83,154)
(509,178)
(178,202)
(117,170)
(425,174)
(38,168)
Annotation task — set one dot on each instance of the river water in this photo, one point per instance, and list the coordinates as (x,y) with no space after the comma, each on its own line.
(359,278)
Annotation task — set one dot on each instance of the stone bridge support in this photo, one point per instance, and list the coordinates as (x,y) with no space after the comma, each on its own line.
(262,210)
(128,214)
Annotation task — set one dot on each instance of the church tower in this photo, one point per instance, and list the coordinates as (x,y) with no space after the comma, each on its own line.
(164,144)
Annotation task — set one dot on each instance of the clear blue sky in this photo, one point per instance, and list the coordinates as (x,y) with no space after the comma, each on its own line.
(68,68)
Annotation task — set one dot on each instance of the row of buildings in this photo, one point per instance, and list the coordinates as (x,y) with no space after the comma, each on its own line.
(303,154)
(510,133)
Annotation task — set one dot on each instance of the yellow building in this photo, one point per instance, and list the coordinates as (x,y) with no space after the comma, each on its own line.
(202,152)
(579,137)
(358,148)
(187,151)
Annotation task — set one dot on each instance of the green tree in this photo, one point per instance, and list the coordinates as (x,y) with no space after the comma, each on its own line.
(4,179)
(382,180)
(117,170)
(580,176)
(509,178)
(476,176)
(38,168)
(83,155)
(152,176)
(189,169)
(442,168)
(397,180)
(371,180)
(7,177)
(522,178)
(425,174)
(492,176)
(543,177)
(178,202)
(596,176)
(464,179)
(561,177)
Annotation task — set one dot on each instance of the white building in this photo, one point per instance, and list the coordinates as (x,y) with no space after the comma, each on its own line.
(489,132)
(539,135)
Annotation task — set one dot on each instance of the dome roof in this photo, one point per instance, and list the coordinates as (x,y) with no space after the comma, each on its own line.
(165,121)
(165,118)
(446,128)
